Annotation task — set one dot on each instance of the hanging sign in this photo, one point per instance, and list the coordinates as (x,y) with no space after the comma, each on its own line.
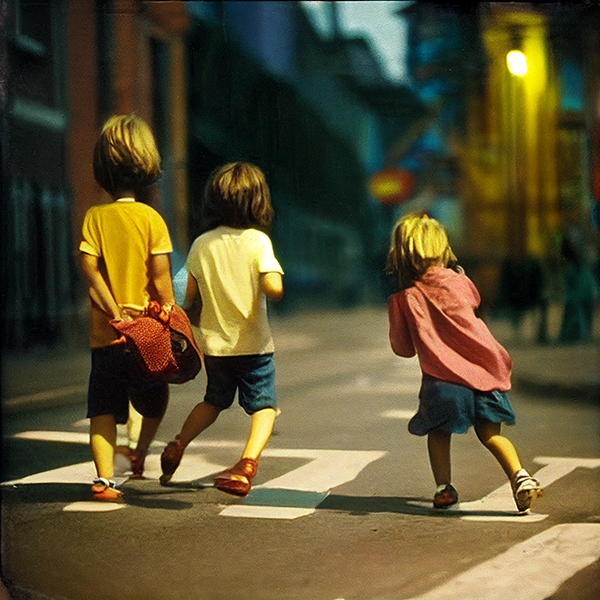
(391,185)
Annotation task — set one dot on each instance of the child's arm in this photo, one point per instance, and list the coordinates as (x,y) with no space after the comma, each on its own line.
(272,285)
(192,303)
(192,293)
(159,271)
(400,338)
(99,291)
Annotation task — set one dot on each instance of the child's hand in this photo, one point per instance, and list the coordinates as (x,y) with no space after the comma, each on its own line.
(160,313)
(123,316)
(121,341)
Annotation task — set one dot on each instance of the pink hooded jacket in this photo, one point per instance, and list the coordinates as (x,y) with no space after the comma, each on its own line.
(435,319)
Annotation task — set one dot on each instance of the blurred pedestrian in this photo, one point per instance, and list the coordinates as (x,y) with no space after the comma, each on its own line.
(581,287)
(125,260)
(232,271)
(465,372)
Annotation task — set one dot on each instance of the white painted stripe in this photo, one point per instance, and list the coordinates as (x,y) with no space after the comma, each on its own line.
(365,385)
(398,414)
(557,467)
(206,443)
(499,501)
(55,436)
(193,468)
(499,504)
(68,436)
(326,470)
(47,395)
(265,512)
(557,553)
(79,473)
(93,506)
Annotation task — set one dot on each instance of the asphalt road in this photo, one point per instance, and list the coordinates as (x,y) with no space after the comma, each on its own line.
(340,507)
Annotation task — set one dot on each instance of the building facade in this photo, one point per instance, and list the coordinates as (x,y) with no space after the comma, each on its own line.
(310,111)
(68,65)
(519,142)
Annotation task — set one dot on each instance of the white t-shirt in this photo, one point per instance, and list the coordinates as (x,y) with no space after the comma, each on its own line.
(227,264)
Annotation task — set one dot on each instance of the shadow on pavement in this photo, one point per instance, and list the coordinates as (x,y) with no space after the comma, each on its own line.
(69,493)
(360,505)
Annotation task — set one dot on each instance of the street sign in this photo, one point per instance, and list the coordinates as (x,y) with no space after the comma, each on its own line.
(392,185)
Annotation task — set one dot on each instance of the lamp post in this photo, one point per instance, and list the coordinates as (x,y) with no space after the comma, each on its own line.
(516,62)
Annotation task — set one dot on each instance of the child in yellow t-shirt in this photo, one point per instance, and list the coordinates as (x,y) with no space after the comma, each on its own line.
(125,250)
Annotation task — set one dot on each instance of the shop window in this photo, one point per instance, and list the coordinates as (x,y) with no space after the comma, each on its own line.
(33,76)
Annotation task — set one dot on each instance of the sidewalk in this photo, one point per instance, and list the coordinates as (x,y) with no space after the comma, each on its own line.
(552,369)
(45,378)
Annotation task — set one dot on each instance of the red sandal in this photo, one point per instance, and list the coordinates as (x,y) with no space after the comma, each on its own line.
(170,459)
(229,483)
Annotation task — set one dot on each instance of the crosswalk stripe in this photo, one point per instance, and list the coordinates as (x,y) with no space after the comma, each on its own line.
(558,553)
(17,401)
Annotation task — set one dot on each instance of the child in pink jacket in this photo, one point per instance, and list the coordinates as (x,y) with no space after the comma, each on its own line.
(466,372)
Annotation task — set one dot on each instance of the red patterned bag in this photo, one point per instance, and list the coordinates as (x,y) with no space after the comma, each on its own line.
(163,344)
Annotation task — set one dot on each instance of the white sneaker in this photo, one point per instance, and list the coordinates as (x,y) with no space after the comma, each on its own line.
(525,489)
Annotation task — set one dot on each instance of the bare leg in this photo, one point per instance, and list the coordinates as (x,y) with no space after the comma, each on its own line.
(499,446)
(438,444)
(147,432)
(525,488)
(134,427)
(237,480)
(260,432)
(103,438)
(202,416)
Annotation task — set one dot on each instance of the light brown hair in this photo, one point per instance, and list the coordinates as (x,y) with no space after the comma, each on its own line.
(418,243)
(125,155)
(237,195)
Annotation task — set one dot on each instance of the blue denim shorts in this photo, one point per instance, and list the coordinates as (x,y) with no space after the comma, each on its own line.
(455,408)
(252,376)
(115,379)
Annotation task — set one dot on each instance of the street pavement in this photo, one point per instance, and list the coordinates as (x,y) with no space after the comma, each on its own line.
(340,509)
(31,380)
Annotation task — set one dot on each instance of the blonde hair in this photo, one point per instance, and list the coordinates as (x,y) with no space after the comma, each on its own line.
(125,155)
(418,243)
(237,195)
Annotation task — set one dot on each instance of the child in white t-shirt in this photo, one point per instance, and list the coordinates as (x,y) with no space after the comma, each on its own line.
(232,270)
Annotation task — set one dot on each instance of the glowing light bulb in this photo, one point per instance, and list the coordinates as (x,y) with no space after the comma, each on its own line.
(517,63)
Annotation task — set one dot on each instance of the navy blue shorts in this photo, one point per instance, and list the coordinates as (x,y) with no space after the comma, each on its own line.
(115,379)
(252,376)
(455,408)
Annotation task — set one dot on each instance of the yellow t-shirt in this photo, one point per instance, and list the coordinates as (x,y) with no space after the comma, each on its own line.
(123,234)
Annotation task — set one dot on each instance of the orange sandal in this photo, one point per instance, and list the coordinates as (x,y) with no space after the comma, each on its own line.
(104,489)
(229,483)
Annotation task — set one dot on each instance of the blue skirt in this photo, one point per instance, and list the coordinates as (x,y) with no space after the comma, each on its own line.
(455,408)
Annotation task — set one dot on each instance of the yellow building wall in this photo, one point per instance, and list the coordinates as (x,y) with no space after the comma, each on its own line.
(509,155)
